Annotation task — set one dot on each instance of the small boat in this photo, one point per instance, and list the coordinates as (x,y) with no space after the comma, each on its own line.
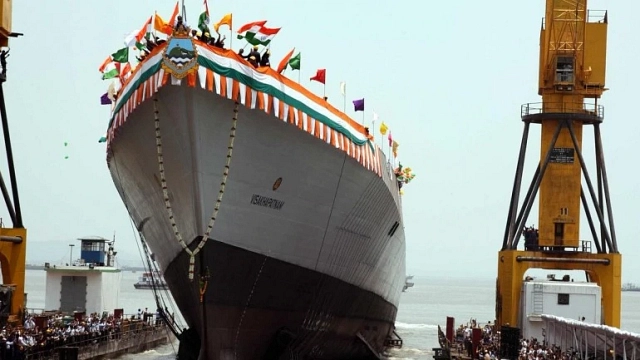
(407,283)
(150,281)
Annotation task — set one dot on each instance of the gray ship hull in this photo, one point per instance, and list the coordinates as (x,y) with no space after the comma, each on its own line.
(320,259)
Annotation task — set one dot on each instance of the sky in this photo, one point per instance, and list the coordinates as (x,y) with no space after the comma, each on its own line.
(447,77)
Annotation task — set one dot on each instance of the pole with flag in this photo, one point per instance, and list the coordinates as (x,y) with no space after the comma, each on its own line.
(343,90)
(358,105)
(204,19)
(282,65)
(390,139)
(249,26)
(373,126)
(320,77)
(226,20)
(293,62)
(383,131)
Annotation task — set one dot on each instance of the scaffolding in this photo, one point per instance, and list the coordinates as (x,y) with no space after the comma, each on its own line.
(590,341)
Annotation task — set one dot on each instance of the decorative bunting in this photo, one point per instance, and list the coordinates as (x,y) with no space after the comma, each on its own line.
(297,106)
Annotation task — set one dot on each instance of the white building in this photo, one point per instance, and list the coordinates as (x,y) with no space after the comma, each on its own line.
(90,284)
(580,301)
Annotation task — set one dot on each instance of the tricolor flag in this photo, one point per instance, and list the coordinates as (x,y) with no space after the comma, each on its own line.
(125,73)
(106,62)
(137,35)
(260,35)
(112,70)
(203,20)
(285,61)
(248,26)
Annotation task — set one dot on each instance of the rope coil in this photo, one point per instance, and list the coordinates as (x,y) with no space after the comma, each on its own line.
(165,192)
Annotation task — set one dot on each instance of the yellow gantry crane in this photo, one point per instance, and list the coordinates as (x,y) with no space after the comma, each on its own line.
(573,44)
(13,245)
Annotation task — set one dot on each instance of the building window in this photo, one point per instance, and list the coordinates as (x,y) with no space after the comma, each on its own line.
(564,69)
(563,299)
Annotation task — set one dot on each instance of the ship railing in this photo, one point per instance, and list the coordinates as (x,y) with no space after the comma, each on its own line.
(530,109)
(91,341)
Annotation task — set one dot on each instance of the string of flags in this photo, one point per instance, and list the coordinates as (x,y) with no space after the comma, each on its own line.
(117,67)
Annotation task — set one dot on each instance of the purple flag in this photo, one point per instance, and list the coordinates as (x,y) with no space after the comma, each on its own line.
(358,105)
(104,99)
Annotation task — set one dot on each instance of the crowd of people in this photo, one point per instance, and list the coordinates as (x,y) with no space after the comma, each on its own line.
(254,57)
(42,334)
(489,346)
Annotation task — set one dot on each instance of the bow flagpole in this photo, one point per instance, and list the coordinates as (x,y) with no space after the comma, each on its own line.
(358,105)
(343,90)
(373,126)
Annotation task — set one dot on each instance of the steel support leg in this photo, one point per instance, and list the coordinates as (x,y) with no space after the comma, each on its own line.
(589,184)
(592,226)
(12,170)
(605,182)
(543,168)
(517,183)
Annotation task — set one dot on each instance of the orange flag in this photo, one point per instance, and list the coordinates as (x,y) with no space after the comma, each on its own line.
(226,20)
(285,61)
(166,27)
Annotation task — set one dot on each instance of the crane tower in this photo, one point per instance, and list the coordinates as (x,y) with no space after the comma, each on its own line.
(13,245)
(572,69)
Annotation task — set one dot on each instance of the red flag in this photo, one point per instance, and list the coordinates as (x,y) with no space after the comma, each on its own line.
(390,138)
(320,75)
(283,62)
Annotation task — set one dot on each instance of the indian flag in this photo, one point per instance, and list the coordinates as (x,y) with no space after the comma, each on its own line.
(111,70)
(260,35)
(137,35)
(203,20)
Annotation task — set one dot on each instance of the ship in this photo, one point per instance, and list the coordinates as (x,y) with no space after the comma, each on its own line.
(630,287)
(274,217)
(150,280)
(408,283)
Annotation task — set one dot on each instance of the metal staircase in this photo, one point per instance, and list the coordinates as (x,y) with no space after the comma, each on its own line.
(538,299)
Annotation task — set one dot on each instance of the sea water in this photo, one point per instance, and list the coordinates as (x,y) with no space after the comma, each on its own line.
(422,308)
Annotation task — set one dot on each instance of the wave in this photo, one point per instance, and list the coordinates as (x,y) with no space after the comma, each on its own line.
(180,60)
(409,354)
(401,325)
